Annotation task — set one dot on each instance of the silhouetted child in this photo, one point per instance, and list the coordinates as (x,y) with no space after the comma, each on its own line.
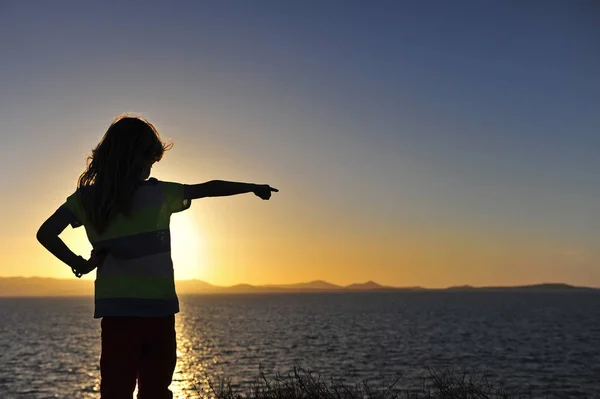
(126,217)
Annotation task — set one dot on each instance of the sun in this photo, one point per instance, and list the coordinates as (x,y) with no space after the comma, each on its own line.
(187,248)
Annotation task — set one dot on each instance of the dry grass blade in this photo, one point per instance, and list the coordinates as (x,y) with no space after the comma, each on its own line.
(303,384)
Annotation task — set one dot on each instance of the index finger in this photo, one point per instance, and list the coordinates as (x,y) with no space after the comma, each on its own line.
(274,189)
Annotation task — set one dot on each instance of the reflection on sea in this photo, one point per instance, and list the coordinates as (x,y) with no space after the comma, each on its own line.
(187,379)
(190,379)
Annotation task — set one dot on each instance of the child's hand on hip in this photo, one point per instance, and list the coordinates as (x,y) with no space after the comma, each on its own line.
(96,259)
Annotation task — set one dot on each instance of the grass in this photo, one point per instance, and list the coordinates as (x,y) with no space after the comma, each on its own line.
(303,384)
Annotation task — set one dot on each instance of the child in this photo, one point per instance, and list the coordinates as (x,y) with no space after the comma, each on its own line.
(126,218)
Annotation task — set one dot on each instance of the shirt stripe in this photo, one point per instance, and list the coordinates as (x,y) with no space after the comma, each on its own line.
(123,286)
(149,266)
(138,245)
(136,307)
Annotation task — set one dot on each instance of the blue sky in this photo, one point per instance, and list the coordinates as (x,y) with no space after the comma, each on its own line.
(434,123)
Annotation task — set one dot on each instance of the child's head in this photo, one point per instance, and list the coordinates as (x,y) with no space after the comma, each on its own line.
(122,159)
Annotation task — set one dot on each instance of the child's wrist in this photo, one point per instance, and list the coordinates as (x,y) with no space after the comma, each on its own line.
(78,262)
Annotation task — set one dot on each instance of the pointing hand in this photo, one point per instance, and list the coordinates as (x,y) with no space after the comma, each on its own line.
(264,191)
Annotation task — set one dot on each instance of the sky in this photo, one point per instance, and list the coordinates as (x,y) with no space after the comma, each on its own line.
(428,143)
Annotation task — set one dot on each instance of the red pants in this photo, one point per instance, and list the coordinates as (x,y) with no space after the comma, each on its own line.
(137,348)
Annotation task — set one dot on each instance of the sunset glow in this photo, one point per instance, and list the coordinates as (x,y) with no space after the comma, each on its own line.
(188,249)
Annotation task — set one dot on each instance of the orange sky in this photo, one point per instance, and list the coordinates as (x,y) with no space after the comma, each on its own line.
(242,239)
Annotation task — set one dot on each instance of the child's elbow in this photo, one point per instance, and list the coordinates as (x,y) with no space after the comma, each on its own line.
(39,235)
(42,235)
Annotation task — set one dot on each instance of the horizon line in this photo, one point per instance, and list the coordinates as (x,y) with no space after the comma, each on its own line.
(372,282)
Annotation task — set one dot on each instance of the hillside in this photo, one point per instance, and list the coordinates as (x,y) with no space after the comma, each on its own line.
(312,285)
(369,285)
(43,286)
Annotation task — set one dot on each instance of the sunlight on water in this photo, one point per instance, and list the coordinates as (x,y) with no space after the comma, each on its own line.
(186,384)
(184,380)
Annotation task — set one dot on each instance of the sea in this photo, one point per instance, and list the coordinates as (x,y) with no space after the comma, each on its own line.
(543,344)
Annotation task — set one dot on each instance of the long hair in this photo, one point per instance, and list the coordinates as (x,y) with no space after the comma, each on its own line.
(116,167)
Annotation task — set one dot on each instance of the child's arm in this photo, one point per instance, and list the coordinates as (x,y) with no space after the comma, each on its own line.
(48,236)
(220,188)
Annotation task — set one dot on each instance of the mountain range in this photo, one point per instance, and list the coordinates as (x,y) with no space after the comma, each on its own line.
(43,286)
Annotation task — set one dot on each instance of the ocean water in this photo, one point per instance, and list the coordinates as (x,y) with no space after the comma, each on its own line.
(545,344)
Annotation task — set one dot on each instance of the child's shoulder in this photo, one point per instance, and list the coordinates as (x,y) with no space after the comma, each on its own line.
(167,188)
(163,183)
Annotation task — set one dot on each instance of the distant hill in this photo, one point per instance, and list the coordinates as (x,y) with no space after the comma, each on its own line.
(369,285)
(461,288)
(42,286)
(551,286)
(249,289)
(193,286)
(531,287)
(312,285)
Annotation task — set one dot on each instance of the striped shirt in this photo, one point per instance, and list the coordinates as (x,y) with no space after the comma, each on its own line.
(136,278)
